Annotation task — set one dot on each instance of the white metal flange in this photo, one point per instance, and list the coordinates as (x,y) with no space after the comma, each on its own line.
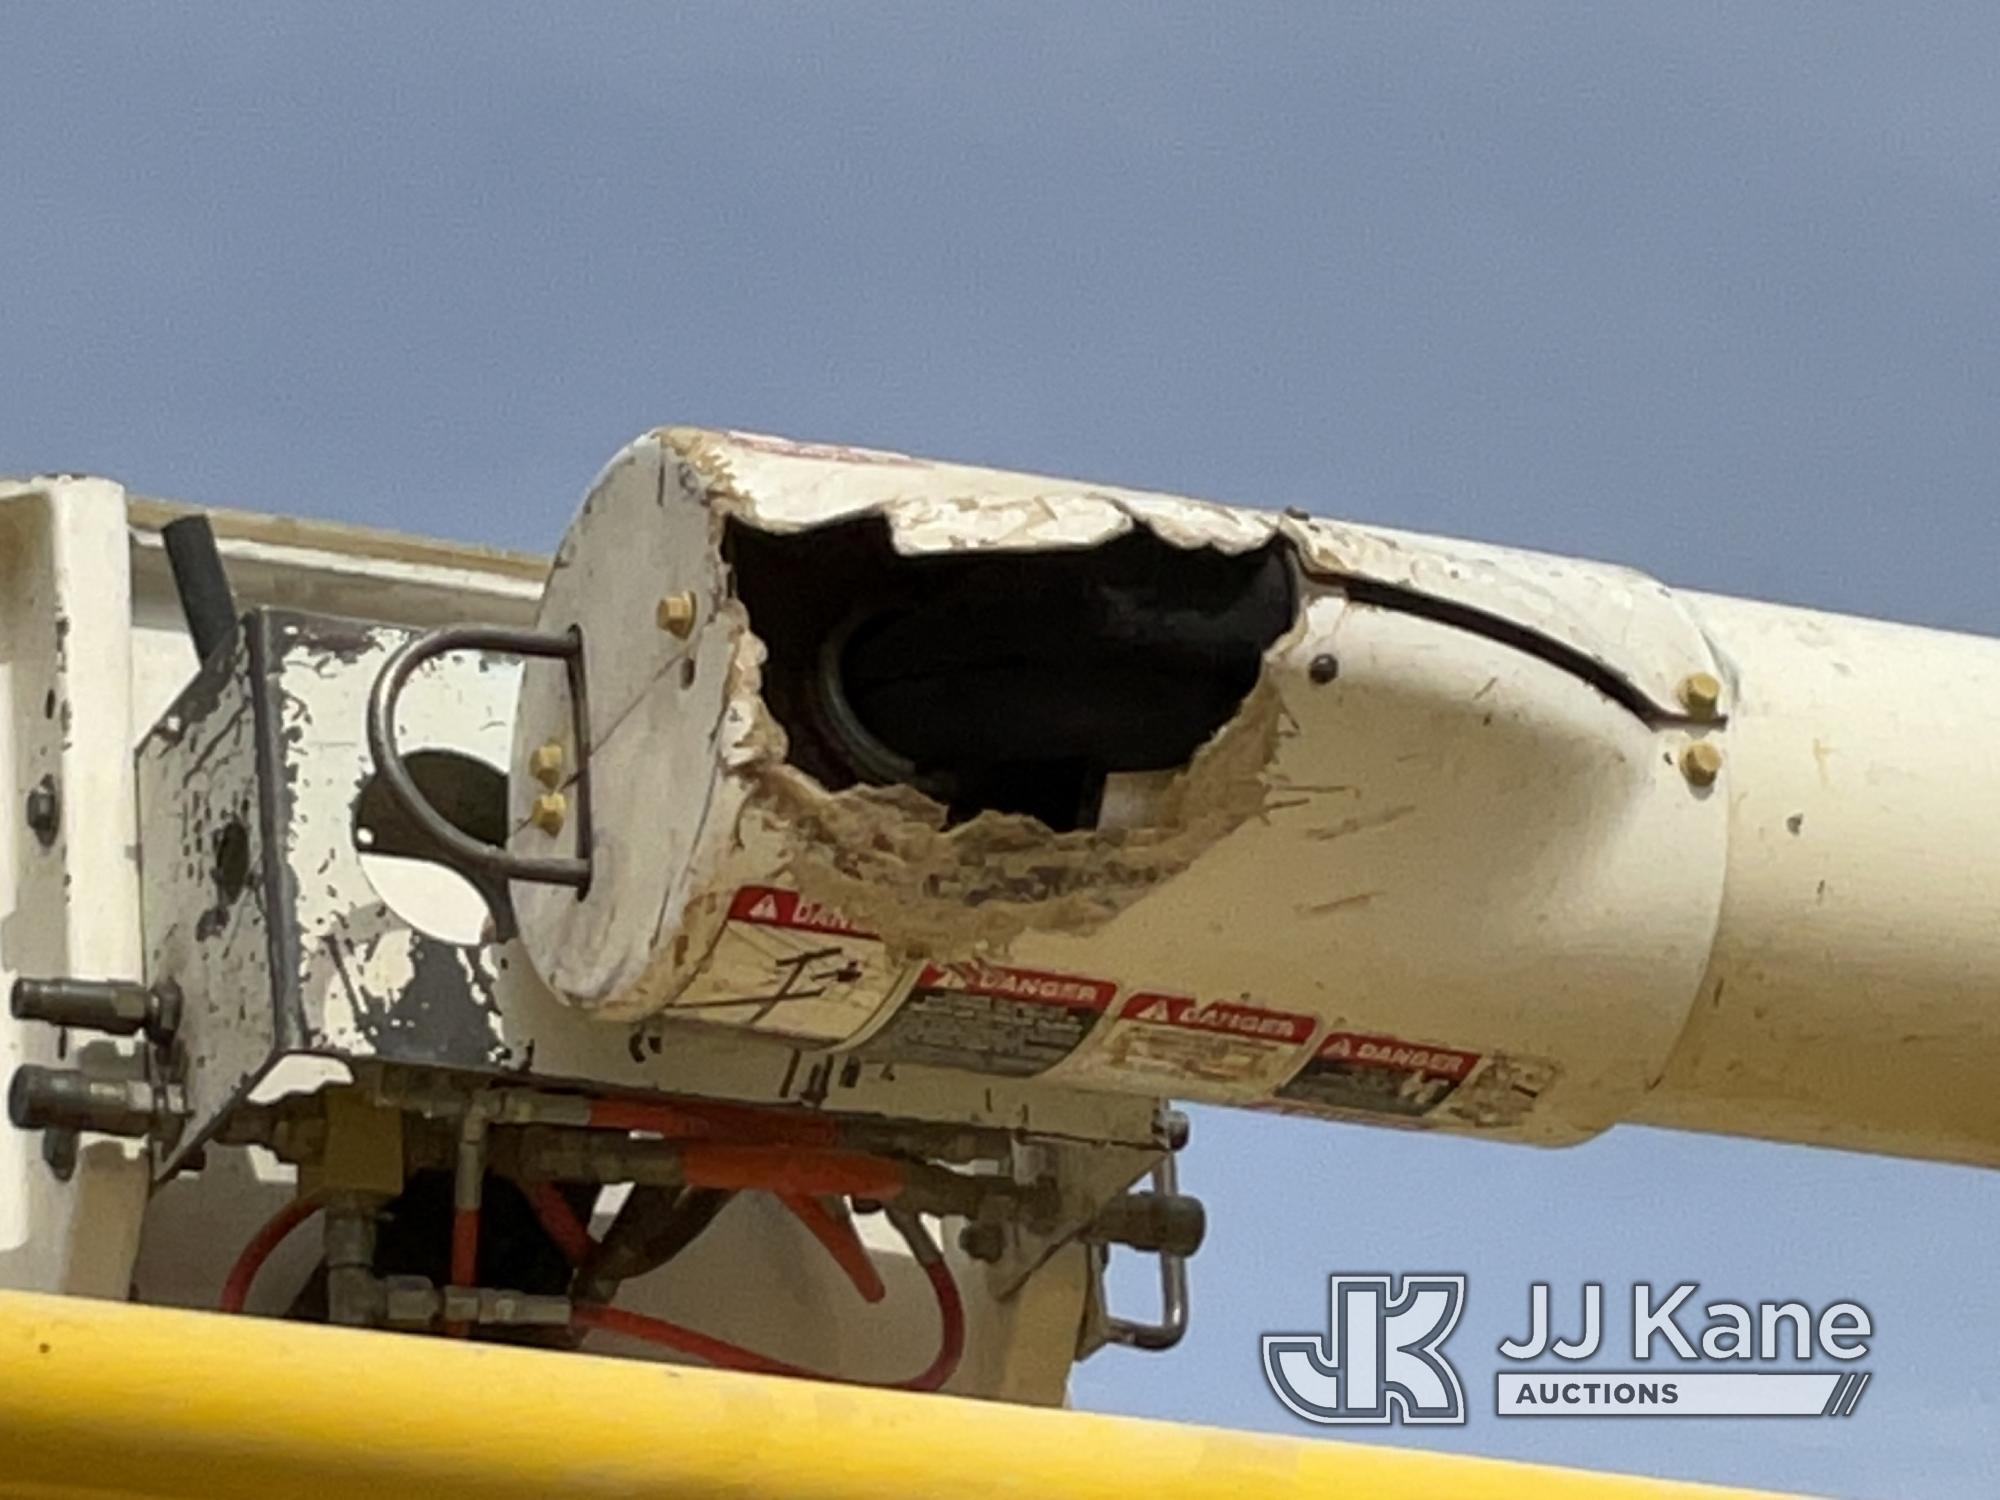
(640,576)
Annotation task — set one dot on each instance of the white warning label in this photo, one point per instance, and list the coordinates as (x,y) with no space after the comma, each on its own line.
(1228,1045)
(790,967)
(1412,1083)
(988,1019)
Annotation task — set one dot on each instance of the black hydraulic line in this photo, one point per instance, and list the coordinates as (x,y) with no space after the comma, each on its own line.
(203,587)
(653,1225)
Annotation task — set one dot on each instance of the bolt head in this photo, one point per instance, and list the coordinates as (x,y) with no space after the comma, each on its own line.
(1701,763)
(1701,694)
(675,614)
(44,811)
(547,763)
(59,1149)
(983,1242)
(551,808)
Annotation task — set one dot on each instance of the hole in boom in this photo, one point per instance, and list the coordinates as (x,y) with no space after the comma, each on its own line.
(1004,681)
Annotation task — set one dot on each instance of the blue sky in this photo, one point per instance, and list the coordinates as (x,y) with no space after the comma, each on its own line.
(1707,289)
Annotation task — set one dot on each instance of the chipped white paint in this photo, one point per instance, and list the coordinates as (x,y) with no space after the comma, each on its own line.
(369,988)
(64,554)
(359,956)
(84,552)
(197,778)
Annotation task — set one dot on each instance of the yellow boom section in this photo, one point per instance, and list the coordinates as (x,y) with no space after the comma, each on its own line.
(101,1399)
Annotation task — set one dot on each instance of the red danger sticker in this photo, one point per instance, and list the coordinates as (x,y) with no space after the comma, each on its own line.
(1354,1073)
(767,906)
(1217,1016)
(1225,1048)
(1408,1057)
(1019,984)
(988,1019)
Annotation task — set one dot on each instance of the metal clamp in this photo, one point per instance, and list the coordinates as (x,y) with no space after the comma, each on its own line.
(458,846)
(1173,1324)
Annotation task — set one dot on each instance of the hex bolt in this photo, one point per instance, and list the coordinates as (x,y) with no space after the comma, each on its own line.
(547,763)
(44,811)
(59,1151)
(1701,763)
(551,808)
(983,1241)
(675,614)
(1701,694)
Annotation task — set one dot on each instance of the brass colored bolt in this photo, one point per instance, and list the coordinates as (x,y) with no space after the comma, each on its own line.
(675,615)
(550,810)
(1702,694)
(547,763)
(1701,763)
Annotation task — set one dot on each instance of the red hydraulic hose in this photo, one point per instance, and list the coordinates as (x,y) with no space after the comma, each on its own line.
(701,1121)
(593,1317)
(468,1189)
(465,1247)
(837,1235)
(276,1230)
(782,1169)
(559,1221)
(789,1158)
(597,1318)
(951,1330)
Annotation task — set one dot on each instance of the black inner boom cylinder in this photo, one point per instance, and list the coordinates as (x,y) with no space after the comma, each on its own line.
(1012,681)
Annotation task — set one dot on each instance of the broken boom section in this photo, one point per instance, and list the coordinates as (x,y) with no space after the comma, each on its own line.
(956,768)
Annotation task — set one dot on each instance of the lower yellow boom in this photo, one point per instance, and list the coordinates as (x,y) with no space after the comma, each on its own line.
(100,1399)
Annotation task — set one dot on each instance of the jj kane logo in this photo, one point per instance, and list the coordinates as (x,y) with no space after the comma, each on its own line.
(1382,1357)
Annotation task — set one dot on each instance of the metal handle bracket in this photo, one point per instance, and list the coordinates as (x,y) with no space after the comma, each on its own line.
(1173,1324)
(458,846)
